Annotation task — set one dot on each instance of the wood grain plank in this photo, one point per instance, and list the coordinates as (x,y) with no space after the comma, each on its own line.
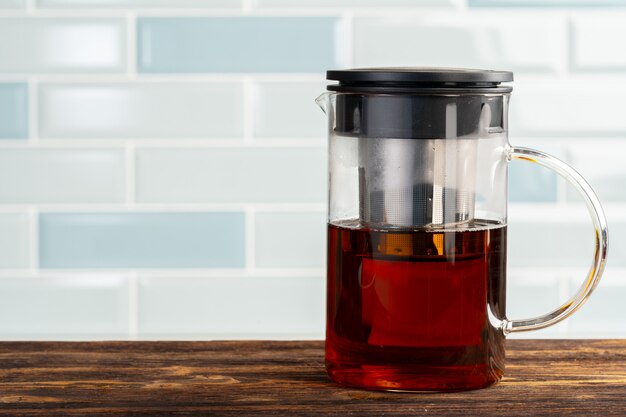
(234,378)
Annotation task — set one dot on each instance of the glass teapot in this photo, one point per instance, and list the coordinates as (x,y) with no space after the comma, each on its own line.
(416,283)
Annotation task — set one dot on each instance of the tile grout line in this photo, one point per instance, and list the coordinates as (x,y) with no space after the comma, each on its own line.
(129,175)
(217,77)
(293,143)
(250,257)
(569,47)
(33,240)
(564,294)
(33,111)
(131,45)
(295,273)
(561,183)
(133,305)
(247,9)
(249,93)
(344,43)
(247,6)
(175,207)
(462,5)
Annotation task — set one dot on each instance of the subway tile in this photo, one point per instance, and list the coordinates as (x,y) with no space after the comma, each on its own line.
(288,110)
(353,3)
(602,315)
(235,44)
(14,240)
(85,307)
(54,45)
(141,110)
(207,308)
(56,175)
(600,162)
(520,42)
(290,240)
(533,292)
(13,111)
(11,4)
(231,175)
(547,244)
(597,41)
(571,109)
(77,4)
(531,183)
(546,3)
(142,240)
(529,294)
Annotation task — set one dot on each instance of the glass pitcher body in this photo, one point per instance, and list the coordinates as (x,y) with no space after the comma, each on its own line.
(416,278)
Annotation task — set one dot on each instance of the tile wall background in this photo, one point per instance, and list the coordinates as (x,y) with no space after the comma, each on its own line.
(162,163)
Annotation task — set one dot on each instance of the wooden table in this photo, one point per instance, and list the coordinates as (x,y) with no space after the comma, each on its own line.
(556,378)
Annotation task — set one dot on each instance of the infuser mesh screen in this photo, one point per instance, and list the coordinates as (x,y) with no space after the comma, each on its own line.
(416,183)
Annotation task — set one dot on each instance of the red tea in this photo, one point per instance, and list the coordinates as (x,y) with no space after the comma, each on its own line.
(410,310)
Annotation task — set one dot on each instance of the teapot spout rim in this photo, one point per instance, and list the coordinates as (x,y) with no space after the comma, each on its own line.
(322,101)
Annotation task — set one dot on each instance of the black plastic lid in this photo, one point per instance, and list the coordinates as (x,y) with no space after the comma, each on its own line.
(419,80)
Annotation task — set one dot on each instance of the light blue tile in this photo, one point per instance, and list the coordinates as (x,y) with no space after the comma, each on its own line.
(57,45)
(141,240)
(232,307)
(546,3)
(84,307)
(14,240)
(11,4)
(77,4)
(531,183)
(287,110)
(141,110)
(235,44)
(231,175)
(290,240)
(13,111)
(56,175)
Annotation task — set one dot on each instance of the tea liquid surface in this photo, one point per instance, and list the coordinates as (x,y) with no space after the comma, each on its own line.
(409,309)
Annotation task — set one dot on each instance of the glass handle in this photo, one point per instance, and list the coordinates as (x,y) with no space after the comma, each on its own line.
(599,257)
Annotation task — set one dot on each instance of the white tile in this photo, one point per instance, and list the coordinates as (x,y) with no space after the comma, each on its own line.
(541,243)
(231,307)
(533,292)
(288,110)
(598,41)
(354,3)
(601,162)
(52,45)
(604,313)
(231,175)
(85,307)
(137,3)
(14,240)
(584,107)
(290,240)
(141,110)
(505,41)
(40,175)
